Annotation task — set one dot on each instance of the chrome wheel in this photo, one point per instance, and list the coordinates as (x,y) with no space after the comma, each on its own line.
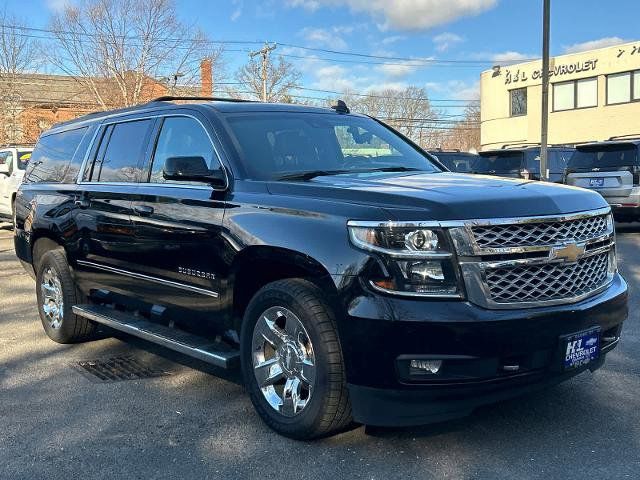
(283,361)
(52,298)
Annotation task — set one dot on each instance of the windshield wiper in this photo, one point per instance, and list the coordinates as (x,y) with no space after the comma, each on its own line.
(308,175)
(320,173)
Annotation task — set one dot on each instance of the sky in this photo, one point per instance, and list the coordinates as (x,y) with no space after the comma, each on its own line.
(470,34)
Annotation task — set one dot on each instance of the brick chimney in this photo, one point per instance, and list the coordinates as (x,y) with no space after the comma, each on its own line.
(206,78)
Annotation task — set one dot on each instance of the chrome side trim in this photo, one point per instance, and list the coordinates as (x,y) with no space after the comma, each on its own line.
(141,276)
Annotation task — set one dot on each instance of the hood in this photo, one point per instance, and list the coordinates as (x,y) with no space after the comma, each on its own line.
(446,196)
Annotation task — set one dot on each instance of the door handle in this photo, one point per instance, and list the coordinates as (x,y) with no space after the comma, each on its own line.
(82,202)
(143,210)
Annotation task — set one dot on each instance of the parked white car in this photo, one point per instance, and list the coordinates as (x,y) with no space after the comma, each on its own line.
(13,162)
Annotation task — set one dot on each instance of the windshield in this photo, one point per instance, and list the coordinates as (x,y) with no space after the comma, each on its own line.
(500,163)
(273,145)
(607,156)
(23,158)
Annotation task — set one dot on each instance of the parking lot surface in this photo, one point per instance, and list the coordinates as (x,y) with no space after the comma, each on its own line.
(195,422)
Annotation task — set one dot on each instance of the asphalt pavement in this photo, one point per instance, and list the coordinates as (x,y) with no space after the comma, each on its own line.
(193,422)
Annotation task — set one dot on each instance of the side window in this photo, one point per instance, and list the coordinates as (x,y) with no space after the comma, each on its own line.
(53,158)
(181,137)
(121,152)
(6,162)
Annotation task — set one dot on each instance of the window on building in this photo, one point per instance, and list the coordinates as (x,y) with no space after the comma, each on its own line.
(518,102)
(623,87)
(575,94)
(54,158)
(122,157)
(181,137)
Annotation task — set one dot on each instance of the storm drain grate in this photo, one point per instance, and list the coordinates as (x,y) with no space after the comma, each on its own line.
(117,369)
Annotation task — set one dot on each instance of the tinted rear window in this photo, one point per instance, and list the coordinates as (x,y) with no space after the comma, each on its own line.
(121,159)
(456,162)
(607,156)
(499,163)
(53,160)
(558,160)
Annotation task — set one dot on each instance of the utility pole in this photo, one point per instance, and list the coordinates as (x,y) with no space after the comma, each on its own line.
(264,52)
(546,15)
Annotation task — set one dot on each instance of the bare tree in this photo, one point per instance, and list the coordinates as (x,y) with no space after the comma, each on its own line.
(465,134)
(18,55)
(282,77)
(408,110)
(126,51)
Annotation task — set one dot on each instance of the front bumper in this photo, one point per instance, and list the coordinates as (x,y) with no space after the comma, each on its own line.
(379,330)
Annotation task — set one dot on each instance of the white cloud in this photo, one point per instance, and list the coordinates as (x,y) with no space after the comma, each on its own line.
(392,39)
(58,5)
(593,44)
(325,38)
(399,69)
(238,10)
(511,57)
(406,14)
(460,90)
(446,40)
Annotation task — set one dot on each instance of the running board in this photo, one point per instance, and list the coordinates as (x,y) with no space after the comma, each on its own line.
(210,351)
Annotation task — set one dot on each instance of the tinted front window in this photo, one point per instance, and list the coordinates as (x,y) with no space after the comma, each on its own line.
(23,159)
(181,137)
(607,156)
(274,144)
(120,160)
(53,160)
(499,163)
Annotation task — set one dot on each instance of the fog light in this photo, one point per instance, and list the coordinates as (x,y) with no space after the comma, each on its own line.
(425,366)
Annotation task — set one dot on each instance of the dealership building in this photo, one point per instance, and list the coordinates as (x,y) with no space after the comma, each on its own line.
(593,95)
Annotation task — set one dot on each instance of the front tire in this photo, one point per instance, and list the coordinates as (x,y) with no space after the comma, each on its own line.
(292,361)
(57,293)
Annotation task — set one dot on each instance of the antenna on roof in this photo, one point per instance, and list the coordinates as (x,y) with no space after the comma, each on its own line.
(341,107)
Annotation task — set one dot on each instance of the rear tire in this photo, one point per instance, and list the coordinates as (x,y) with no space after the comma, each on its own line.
(290,328)
(57,293)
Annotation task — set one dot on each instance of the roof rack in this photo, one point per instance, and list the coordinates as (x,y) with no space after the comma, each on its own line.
(519,144)
(629,136)
(170,98)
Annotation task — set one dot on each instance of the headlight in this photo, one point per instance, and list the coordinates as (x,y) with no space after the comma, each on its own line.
(418,260)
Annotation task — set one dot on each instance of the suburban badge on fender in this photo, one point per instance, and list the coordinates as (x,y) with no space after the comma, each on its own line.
(192,272)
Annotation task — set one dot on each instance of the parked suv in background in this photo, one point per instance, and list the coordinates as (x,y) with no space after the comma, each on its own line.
(612,169)
(455,160)
(351,278)
(523,162)
(13,162)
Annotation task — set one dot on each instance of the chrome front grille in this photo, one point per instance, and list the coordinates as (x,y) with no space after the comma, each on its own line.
(535,261)
(550,281)
(499,236)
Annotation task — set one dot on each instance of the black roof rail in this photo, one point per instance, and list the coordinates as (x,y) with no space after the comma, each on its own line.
(509,145)
(629,136)
(170,98)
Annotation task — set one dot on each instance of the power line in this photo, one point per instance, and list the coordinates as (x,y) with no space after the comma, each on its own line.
(409,60)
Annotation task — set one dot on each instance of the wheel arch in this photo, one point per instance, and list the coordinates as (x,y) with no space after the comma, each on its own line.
(259,265)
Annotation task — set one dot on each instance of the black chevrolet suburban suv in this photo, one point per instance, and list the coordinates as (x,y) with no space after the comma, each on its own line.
(523,162)
(342,268)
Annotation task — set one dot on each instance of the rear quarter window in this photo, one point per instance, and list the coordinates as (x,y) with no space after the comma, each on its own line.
(54,158)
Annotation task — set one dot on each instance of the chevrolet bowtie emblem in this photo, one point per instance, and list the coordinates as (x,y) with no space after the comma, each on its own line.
(569,252)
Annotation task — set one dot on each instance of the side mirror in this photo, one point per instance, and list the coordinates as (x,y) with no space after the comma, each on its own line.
(192,169)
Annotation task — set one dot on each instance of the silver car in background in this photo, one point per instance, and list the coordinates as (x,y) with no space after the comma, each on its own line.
(611,168)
